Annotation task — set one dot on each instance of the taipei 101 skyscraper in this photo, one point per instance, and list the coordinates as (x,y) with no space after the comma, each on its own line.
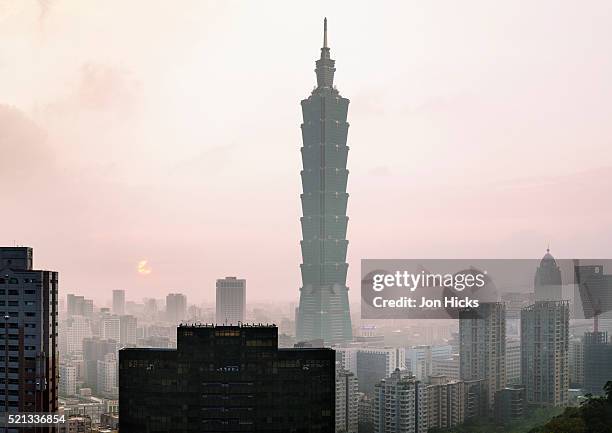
(324,309)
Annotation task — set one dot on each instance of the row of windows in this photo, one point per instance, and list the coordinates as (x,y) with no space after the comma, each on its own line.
(16,281)
(16,303)
(15,292)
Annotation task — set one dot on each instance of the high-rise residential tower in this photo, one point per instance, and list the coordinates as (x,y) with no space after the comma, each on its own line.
(400,405)
(483,347)
(324,308)
(545,352)
(30,364)
(230,301)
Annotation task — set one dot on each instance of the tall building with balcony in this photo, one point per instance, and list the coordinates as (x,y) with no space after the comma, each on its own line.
(445,402)
(400,405)
(347,401)
(482,345)
(29,379)
(324,308)
(545,353)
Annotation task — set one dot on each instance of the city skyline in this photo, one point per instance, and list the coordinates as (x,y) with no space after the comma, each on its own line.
(161,182)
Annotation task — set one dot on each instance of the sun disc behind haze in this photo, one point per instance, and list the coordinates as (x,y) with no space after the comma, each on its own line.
(144,268)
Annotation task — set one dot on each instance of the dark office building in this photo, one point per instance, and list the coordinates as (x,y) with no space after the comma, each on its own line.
(597,361)
(227,379)
(28,358)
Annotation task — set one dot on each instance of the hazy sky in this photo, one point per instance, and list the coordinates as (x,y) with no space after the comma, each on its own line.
(169,132)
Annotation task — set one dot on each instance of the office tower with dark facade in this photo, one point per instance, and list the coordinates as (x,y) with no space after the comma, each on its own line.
(29,365)
(545,353)
(227,379)
(324,308)
(230,301)
(482,346)
(597,361)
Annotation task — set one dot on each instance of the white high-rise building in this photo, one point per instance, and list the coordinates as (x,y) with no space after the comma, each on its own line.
(68,380)
(347,401)
(400,405)
(78,329)
(111,327)
(231,301)
(107,376)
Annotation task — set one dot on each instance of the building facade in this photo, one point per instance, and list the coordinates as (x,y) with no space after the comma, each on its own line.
(545,352)
(513,361)
(176,307)
(597,362)
(230,301)
(324,308)
(445,402)
(482,345)
(30,364)
(347,401)
(119,302)
(227,378)
(400,405)
(374,364)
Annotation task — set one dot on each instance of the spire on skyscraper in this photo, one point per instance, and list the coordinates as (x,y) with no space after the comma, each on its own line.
(325,65)
(325,32)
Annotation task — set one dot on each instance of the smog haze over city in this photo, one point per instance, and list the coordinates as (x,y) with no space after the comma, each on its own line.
(155,146)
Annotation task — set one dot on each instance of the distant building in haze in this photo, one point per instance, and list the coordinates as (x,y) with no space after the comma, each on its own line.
(230,301)
(547,280)
(127,334)
(176,307)
(78,306)
(227,378)
(119,302)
